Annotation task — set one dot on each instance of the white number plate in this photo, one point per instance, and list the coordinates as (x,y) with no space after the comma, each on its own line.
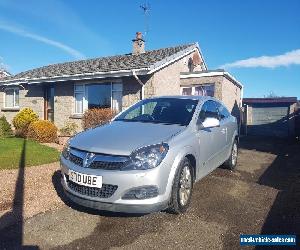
(85,179)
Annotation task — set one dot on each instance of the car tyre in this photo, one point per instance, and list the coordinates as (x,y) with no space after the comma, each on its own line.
(182,188)
(232,160)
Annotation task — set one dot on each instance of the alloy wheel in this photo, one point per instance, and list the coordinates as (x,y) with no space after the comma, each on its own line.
(185,185)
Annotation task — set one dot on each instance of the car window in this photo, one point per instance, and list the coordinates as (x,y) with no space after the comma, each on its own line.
(161,110)
(208,110)
(223,111)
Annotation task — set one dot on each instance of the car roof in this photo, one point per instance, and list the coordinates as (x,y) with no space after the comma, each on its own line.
(192,97)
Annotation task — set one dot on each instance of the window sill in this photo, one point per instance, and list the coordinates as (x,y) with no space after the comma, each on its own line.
(11,109)
(76,116)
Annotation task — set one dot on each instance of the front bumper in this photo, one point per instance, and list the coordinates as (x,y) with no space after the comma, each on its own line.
(113,207)
(125,180)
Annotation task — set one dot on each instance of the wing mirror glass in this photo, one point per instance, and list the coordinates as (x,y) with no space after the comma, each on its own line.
(209,122)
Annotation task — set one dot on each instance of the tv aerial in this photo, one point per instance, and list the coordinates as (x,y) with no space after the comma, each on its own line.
(146,11)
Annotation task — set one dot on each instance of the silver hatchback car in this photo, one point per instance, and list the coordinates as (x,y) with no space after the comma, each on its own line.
(150,155)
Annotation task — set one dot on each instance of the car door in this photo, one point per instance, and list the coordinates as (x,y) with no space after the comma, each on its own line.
(224,117)
(208,139)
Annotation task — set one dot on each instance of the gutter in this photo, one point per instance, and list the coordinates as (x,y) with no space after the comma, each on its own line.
(75,77)
(140,82)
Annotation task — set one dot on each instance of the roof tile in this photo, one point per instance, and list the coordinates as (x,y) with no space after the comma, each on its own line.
(101,64)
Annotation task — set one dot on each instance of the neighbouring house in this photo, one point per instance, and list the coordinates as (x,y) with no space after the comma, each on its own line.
(4,73)
(270,116)
(62,92)
(297,129)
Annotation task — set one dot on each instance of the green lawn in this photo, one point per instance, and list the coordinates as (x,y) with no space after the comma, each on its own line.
(33,153)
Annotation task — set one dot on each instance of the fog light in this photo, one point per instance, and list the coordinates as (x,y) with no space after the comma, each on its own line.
(141,193)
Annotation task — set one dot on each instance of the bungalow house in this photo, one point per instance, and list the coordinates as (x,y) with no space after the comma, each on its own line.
(62,92)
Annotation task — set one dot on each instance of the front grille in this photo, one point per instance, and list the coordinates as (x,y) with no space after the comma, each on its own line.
(106,191)
(106,165)
(76,160)
(105,162)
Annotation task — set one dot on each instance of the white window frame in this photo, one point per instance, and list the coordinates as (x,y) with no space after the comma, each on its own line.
(14,98)
(187,87)
(115,91)
(85,93)
(83,99)
(194,87)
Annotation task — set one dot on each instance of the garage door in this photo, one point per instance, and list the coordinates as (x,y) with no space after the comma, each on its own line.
(269,120)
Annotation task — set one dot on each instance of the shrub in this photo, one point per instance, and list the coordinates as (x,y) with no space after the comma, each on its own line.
(42,131)
(69,129)
(5,128)
(96,117)
(22,121)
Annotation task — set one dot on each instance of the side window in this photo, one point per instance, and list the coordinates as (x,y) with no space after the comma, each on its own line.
(208,110)
(223,112)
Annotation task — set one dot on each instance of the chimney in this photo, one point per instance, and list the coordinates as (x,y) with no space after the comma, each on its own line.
(138,45)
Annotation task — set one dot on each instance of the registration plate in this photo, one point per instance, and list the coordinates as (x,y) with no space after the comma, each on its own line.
(85,179)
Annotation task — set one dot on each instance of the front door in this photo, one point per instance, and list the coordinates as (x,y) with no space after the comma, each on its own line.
(49,103)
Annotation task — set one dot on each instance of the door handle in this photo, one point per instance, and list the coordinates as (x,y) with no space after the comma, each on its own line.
(224,130)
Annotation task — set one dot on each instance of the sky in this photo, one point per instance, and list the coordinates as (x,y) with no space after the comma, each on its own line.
(257,41)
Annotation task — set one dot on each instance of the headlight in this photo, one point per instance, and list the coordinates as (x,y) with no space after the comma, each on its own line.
(66,151)
(147,157)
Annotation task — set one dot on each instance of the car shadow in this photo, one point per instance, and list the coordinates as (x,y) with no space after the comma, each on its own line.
(56,180)
(283,175)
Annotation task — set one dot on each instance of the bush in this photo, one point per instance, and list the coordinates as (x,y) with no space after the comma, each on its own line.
(22,121)
(5,128)
(42,131)
(96,117)
(69,129)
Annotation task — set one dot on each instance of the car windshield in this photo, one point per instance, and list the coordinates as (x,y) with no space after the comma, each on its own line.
(161,110)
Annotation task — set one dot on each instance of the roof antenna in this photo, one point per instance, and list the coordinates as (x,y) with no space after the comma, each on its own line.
(146,10)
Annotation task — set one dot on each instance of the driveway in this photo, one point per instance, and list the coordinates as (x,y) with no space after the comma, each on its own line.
(261,196)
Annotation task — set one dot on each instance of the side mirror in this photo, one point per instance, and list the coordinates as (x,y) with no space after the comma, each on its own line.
(209,122)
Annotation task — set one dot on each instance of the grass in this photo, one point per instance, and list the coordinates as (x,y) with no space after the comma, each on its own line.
(35,153)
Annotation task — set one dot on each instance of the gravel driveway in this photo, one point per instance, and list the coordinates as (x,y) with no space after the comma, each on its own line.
(261,196)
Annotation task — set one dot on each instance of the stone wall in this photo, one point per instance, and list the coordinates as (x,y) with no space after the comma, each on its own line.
(166,81)
(30,97)
(64,105)
(216,80)
(131,91)
(225,90)
(231,97)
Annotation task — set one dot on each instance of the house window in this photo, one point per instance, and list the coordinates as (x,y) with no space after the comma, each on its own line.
(98,95)
(201,90)
(117,94)
(187,91)
(79,98)
(11,97)
(205,90)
